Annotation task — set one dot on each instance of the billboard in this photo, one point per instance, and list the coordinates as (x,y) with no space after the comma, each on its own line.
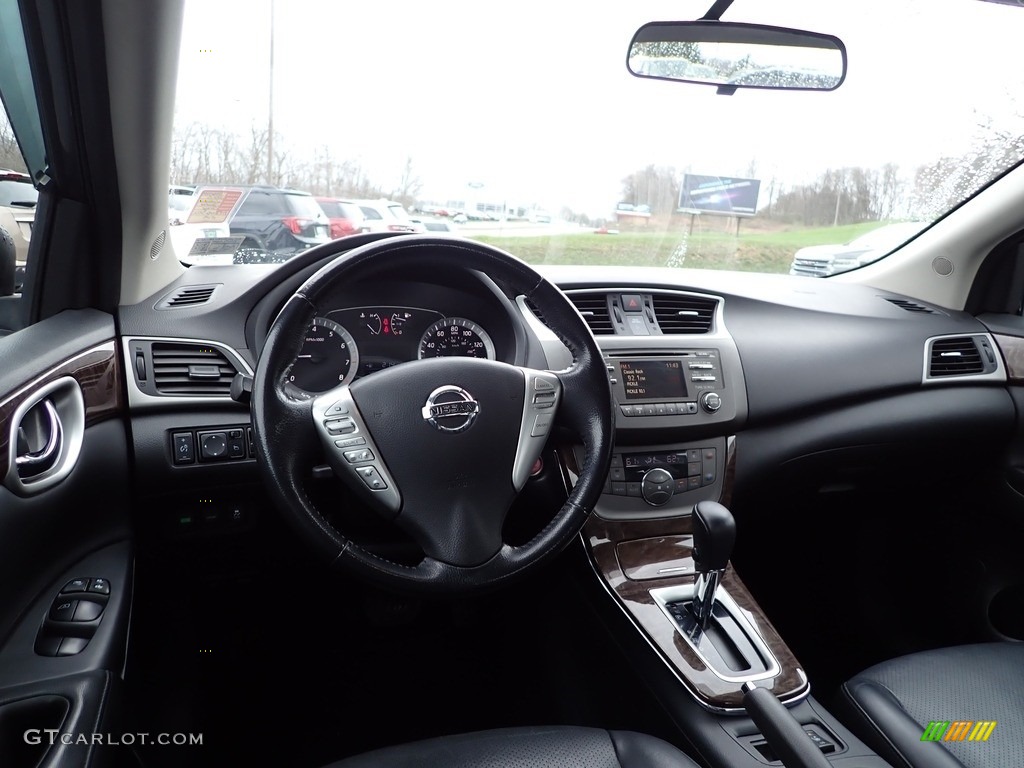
(724,195)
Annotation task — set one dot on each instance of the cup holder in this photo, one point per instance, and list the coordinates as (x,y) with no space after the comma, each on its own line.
(1006,612)
(34,715)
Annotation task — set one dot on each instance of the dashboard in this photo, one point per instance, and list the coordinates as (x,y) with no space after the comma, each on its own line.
(719,379)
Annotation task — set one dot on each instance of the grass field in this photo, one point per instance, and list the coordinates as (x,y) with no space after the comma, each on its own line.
(754,250)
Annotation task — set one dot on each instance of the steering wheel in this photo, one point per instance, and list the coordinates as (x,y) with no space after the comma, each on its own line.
(439,446)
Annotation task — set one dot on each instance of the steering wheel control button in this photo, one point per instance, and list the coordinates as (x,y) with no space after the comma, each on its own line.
(338,409)
(63,610)
(99,586)
(184,448)
(371,478)
(76,585)
(359,456)
(541,424)
(213,445)
(450,409)
(658,486)
(87,610)
(341,426)
(711,401)
(350,442)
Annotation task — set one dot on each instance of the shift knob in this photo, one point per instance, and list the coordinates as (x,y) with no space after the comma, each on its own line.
(714,534)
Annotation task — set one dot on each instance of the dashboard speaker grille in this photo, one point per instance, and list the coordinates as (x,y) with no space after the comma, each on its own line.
(594,308)
(684,314)
(191,369)
(955,357)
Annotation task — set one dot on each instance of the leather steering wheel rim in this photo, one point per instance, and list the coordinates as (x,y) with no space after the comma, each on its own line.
(286,433)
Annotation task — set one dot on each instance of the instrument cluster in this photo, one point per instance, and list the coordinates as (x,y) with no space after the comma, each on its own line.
(344,344)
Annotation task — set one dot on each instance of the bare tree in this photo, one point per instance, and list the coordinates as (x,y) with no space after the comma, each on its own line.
(10,152)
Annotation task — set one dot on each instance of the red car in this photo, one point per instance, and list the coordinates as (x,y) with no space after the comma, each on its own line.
(346,218)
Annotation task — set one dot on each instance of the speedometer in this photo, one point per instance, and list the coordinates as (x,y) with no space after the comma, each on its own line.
(456,337)
(328,358)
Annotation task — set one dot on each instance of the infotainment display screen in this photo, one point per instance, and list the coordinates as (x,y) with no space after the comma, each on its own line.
(653,379)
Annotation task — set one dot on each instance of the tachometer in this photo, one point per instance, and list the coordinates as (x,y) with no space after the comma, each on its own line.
(456,337)
(328,357)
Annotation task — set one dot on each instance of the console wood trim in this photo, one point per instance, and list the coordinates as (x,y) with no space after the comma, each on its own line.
(1012,348)
(603,536)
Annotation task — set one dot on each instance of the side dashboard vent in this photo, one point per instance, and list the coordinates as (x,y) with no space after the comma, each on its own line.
(191,369)
(912,306)
(684,314)
(958,356)
(188,296)
(594,308)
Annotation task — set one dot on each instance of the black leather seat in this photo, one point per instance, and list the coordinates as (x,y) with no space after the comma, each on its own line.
(554,747)
(891,704)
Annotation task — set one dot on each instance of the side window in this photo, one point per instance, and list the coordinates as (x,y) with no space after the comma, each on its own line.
(257,204)
(22,157)
(18,198)
(370,213)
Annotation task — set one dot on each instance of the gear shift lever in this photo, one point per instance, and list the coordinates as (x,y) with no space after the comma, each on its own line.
(714,533)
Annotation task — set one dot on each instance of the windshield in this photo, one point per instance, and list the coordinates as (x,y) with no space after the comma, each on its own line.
(541,142)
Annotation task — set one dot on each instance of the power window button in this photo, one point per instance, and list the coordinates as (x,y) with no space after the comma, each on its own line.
(63,610)
(87,610)
(100,586)
(76,585)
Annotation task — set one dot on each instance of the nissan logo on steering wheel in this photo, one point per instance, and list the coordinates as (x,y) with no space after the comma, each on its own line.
(451,409)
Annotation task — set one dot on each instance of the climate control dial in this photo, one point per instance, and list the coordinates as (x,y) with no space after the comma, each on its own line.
(657,487)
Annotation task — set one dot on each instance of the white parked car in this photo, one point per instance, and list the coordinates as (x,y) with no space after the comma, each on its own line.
(825,260)
(387,216)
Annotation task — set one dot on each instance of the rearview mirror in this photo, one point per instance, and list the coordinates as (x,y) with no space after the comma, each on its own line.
(733,55)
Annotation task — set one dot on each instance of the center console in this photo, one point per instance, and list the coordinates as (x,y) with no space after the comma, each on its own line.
(701,635)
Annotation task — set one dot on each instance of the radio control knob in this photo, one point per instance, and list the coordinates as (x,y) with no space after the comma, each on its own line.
(657,487)
(711,401)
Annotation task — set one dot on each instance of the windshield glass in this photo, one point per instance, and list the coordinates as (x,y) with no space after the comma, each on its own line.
(541,142)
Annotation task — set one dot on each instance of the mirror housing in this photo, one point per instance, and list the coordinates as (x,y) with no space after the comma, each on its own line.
(735,55)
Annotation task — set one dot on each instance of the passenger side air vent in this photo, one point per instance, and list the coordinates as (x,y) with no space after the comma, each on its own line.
(911,306)
(188,296)
(191,369)
(677,313)
(957,356)
(594,308)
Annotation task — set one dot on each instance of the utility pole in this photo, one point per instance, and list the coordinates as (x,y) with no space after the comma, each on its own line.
(270,106)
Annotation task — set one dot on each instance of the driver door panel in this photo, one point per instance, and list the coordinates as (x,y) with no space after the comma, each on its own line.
(64,515)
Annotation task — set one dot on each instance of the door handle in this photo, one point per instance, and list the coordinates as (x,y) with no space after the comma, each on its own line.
(49,452)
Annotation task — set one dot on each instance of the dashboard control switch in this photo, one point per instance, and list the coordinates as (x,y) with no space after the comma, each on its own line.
(184,448)
(213,445)
(711,401)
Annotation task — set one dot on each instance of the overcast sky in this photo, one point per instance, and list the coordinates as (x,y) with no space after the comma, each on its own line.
(532,99)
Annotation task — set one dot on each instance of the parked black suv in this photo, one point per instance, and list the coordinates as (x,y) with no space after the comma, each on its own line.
(278,223)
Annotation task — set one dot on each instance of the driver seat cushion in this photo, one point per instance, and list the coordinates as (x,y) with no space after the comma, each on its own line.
(551,747)
(891,704)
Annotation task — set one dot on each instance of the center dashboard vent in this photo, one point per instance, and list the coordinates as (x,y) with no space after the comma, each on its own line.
(958,356)
(191,369)
(188,296)
(594,308)
(678,313)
